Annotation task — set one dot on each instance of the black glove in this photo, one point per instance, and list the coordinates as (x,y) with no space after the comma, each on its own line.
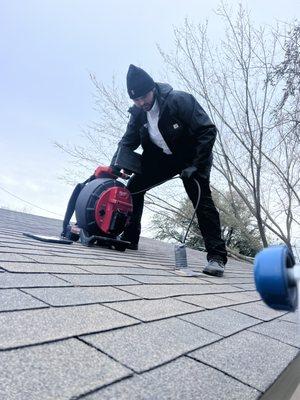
(127,171)
(188,172)
(115,170)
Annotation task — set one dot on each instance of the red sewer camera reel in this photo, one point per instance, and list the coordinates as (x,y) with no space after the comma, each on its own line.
(102,204)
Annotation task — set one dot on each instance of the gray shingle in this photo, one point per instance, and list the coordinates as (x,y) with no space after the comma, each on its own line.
(222,321)
(110,262)
(52,259)
(232,281)
(20,250)
(148,345)
(161,291)
(43,268)
(157,342)
(36,326)
(102,260)
(150,310)
(11,280)
(258,310)
(242,297)
(96,269)
(171,279)
(245,286)
(183,379)
(79,295)
(209,301)
(291,317)
(252,358)
(20,246)
(11,257)
(155,279)
(13,299)
(149,264)
(281,330)
(193,280)
(55,371)
(97,280)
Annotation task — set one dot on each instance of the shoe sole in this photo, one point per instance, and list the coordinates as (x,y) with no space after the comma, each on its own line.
(213,272)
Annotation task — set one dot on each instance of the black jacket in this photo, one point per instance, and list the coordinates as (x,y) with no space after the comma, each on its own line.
(184,125)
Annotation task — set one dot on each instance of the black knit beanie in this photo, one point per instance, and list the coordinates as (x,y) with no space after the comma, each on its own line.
(139,82)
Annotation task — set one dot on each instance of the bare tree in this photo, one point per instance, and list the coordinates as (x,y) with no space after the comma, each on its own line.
(288,71)
(254,154)
(239,82)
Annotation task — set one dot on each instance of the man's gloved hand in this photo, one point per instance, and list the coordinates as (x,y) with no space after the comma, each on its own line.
(188,172)
(115,170)
(126,171)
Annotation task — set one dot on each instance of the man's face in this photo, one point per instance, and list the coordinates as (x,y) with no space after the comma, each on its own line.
(145,102)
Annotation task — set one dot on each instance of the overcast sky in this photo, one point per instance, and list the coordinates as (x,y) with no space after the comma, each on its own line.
(48,48)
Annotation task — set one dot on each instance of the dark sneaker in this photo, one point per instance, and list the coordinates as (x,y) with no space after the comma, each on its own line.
(214,267)
(133,246)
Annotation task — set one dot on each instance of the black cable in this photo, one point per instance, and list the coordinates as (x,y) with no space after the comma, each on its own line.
(193,217)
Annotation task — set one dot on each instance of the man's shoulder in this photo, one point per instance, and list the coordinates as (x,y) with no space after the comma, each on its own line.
(166,90)
(179,98)
(181,94)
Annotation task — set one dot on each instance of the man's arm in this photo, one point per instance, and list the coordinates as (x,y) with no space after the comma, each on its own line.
(130,139)
(200,127)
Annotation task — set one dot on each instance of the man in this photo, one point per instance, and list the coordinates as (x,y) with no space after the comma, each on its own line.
(177,137)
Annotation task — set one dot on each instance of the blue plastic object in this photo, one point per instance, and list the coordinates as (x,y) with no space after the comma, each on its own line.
(272,280)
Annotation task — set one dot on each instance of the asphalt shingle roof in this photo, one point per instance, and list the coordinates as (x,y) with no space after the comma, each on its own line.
(92,323)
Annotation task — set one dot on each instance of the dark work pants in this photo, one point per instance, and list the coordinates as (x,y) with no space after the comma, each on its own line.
(160,167)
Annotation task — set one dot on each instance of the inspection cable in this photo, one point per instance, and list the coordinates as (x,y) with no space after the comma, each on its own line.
(193,216)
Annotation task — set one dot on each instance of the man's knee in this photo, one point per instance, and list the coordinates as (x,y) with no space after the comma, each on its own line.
(135,183)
